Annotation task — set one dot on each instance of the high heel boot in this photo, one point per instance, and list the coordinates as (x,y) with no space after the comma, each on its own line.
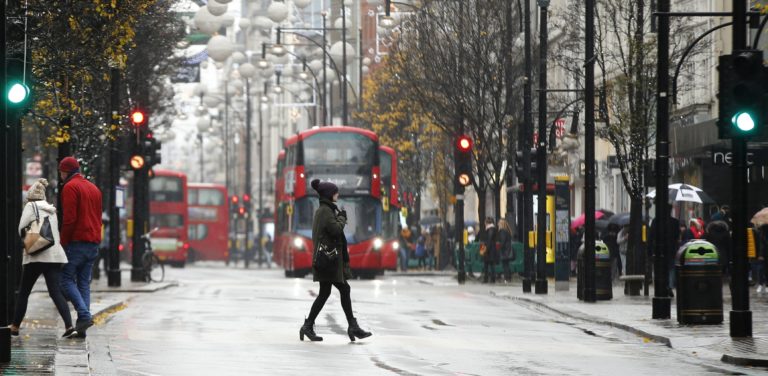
(355,331)
(308,330)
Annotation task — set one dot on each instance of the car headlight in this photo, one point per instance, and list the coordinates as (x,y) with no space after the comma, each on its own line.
(395,246)
(377,243)
(298,243)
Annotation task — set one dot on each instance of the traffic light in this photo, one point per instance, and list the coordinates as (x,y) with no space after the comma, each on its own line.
(137,162)
(463,158)
(519,166)
(152,150)
(741,95)
(17,82)
(138,117)
(241,211)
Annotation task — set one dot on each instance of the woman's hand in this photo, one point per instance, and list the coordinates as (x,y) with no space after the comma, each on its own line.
(347,271)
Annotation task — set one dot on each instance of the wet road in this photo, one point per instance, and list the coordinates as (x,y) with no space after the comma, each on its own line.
(226,321)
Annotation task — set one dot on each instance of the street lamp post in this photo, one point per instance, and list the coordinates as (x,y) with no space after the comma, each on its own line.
(343,83)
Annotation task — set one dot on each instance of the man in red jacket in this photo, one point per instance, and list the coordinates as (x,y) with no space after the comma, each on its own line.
(80,236)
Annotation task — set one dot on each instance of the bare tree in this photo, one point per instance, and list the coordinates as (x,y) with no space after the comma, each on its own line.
(454,59)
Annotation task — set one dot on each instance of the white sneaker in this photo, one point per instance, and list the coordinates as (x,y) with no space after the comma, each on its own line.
(760,289)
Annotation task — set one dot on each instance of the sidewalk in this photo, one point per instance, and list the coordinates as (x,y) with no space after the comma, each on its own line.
(633,314)
(40,350)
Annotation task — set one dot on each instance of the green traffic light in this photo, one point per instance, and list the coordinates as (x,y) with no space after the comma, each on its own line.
(744,121)
(18,93)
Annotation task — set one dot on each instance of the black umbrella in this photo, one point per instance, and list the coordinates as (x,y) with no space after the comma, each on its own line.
(621,219)
(601,225)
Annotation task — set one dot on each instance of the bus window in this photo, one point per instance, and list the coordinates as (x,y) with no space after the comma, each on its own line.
(198,232)
(166,220)
(304,213)
(166,188)
(209,197)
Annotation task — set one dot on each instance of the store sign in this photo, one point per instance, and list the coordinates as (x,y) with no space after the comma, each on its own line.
(724,157)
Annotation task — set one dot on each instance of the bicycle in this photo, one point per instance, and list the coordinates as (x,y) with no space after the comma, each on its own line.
(154,270)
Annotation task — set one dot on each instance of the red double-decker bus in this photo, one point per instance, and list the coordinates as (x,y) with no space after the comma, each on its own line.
(390,207)
(348,157)
(168,213)
(208,222)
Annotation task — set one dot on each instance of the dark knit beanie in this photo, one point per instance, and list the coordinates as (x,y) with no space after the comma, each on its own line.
(325,189)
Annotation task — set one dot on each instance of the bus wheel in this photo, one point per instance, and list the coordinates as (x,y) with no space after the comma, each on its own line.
(288,273)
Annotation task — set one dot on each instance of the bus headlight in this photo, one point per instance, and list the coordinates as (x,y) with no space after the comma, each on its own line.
(377,244)
(395,246)
(298,243)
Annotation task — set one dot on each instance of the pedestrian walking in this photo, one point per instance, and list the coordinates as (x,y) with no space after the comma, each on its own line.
(421,250)
(610,238)
(429,246)
(47,262)
(622,239)
(329,240)
(758,265)
(404,249)
(491,256)
(505,249)
(80,237)
(724,214)
(718,233)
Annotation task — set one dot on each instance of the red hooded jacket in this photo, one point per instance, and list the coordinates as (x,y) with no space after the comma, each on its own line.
(81,211)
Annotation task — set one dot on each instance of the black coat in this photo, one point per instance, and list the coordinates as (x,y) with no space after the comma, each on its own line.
(491,254)
(505,241)
(328,228)
(719,235)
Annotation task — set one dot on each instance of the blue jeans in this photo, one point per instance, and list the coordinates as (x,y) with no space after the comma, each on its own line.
(76,277)
(403,258)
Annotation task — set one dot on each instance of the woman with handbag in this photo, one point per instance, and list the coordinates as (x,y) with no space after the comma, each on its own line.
(43,254)
(330,261)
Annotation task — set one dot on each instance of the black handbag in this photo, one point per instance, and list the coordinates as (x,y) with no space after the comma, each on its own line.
(326,257)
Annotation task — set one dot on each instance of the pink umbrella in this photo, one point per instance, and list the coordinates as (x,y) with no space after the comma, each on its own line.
(579,221)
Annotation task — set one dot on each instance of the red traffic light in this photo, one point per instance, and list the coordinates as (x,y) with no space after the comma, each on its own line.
(464,143)
(137,162)
(241,210)
(235,199)
(246,198)
(137,117)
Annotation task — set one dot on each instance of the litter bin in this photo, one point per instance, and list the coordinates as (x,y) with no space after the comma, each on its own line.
(699,284)
(603,283)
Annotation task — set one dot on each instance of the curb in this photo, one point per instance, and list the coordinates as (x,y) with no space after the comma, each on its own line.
(73,357)
(155,287)
(726,358)
(653,337)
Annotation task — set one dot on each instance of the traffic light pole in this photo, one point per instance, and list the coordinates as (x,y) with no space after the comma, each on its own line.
(113,255)
(740,315)
(661,299)
(140,211)
(589,292)
(248,176)
(459,212)
(5,282)
(541,156)
(527,137)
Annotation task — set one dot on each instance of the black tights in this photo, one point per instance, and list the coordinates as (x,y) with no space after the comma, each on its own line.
(29,275)
(325,292)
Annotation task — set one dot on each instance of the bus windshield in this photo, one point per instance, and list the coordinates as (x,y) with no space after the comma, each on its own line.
(345,159)
(364,217)
(166,189)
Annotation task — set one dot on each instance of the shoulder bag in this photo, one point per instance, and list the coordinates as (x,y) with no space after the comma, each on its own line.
(38,235)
